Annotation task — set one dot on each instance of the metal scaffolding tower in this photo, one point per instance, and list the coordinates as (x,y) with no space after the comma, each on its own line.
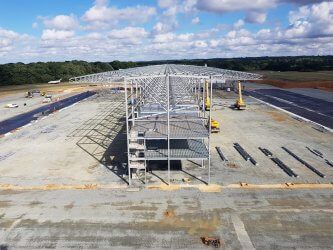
(165,115)
(165,121)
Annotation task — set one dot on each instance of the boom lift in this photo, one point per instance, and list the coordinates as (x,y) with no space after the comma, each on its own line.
(207,100)
(215,125)
(240,104)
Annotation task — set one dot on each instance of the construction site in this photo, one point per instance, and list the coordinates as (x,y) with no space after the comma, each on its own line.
(167,156)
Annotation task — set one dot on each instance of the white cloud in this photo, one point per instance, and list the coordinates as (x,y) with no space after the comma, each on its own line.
(164,38)
(159,28)
(12,42)
(311,21)
(237,38)
(128,32)
(4,33)
(166,3)
(222,6)
(173,7)
(301,2)
(165,25)
(7,40)
(214,43)
(240,23)
(264,34)
(186,37)
(102,16)
(196,20)
(62,22)
(52,34)
(168,20)
(34,25)
(200,44)
(128,35)
(94,36)
(309,32)
(171,11)
(189,6)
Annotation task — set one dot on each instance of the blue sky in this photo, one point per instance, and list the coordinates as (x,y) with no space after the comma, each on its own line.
(101,30)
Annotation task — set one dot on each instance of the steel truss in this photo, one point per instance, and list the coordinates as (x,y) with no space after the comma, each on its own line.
(165,120)
(165,114)
(165,69)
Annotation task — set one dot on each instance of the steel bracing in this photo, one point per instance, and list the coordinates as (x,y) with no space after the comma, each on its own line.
(165,114)
(165,120)
(165,69)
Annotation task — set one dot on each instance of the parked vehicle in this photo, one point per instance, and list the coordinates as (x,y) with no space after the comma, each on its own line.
(11,105)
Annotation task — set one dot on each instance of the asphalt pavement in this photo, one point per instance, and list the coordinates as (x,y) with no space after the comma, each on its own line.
(313,109)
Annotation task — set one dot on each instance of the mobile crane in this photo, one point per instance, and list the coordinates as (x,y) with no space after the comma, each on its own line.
(240,104)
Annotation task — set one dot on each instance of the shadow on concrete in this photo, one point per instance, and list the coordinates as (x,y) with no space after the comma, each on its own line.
(163,165)
(194,177)
(3,247)
(103,137)
(154,166)
(195,163)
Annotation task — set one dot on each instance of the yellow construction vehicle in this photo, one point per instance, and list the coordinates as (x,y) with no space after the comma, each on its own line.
(215,126)
(207,100)
(240,104)
(28,94)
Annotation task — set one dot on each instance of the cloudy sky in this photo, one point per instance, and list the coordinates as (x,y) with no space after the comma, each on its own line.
(102,30)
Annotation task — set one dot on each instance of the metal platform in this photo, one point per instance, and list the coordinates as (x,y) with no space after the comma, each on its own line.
(179,150)
(157,128)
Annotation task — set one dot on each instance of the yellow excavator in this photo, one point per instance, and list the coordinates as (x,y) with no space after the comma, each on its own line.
(240,104)
(215,125)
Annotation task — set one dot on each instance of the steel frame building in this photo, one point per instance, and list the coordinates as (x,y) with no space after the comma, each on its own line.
(165,113)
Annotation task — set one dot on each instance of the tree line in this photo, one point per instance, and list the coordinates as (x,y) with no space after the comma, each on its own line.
(42,72)
(292,63)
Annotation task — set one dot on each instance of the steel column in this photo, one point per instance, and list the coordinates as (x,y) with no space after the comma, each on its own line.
(127,136)
(168,119)
(210,127)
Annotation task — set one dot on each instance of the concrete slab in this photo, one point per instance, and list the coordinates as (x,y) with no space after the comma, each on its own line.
(159,219)
(70,154)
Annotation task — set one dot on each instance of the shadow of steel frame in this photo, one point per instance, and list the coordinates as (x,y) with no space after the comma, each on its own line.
(103,136)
